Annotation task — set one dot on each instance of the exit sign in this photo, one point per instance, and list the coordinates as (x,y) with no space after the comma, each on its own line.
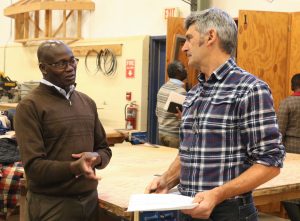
(171,12)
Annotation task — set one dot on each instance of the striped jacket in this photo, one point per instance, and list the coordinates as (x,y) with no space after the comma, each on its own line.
(168,124)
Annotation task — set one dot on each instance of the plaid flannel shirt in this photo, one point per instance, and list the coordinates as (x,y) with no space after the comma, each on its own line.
(228,124)
(10,175)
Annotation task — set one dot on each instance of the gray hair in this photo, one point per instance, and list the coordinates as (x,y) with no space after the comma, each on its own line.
(221,21)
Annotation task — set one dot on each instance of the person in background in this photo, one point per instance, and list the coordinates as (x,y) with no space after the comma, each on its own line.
(230,142)
(168,123)
(61,141)
(289,118)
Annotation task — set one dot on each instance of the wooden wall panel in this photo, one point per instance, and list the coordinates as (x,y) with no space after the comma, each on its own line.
(294,48)
(176,28)
(263,47)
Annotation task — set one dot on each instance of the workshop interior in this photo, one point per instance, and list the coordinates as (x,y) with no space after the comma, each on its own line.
(124,48)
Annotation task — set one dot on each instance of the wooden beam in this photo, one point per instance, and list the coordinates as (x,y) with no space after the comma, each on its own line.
(67,40)
(83,50)
(36,24)
(26,25)
(19,26)
(21,2)
(61,25)
(48,23)
(79,19)
(49,5)
(64,23)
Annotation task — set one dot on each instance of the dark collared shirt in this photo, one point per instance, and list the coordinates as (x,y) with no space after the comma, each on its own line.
(228,124)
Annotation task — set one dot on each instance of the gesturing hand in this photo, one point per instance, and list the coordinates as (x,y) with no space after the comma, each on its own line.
(85,164)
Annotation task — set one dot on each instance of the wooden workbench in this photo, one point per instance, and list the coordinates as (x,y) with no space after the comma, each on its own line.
(132,167)
(115,136)
(5,106)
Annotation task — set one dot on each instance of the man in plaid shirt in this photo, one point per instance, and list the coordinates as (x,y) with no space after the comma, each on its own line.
(230,142)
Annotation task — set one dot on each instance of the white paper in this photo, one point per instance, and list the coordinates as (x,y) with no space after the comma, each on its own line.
(176,98)
(159,202)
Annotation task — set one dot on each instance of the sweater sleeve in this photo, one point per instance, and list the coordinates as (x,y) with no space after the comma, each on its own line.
(101,145)
(33,154)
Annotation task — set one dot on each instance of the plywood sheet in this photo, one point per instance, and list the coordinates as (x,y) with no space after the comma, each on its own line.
(294,50)
(262,49)
(132,167)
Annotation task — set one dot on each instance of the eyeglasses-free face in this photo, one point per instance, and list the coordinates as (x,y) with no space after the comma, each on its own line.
(63,64)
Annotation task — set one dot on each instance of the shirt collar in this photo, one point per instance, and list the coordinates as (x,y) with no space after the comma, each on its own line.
(176,81)
(220,72)
(59,89)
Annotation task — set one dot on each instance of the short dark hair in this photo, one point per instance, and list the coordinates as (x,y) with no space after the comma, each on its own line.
(295,82)
(177,70)
(45,47)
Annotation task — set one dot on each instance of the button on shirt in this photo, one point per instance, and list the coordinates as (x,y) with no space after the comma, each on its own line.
(228,124)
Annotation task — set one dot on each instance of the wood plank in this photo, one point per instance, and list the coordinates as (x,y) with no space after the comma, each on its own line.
(26,25)
(37,24)
(294,49)
(115,136)
(47,17)
(127,175)
(19,27)
(133,173)
(36,6)
(48,23)
(271,198)
(262,49)
(83,50)
(79,23)
(68,40)
(20,2)
(64,23)
(61,25)
(5,105)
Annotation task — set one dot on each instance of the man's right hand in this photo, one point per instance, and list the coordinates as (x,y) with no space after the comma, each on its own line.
(158,185)
(178,114)
(84,165)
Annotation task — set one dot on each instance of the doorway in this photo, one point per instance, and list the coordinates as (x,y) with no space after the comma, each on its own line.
(157,64)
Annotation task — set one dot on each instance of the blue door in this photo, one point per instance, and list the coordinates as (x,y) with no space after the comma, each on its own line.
(157,63)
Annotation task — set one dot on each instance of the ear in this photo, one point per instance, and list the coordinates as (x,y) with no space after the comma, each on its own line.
(212,36)
(43,68)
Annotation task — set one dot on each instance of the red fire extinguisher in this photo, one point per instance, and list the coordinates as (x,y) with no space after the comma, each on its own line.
(130,116)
